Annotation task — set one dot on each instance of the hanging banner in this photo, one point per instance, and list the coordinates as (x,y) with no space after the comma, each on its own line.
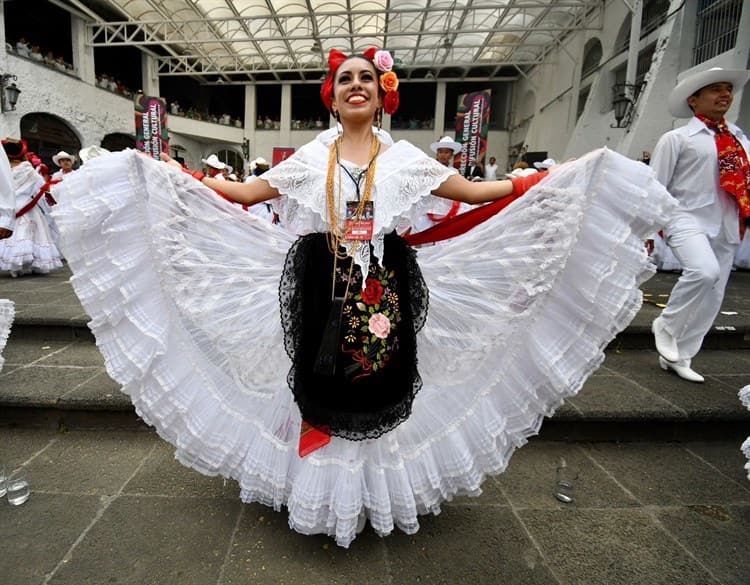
(151,134)
(281,153)
(472,123)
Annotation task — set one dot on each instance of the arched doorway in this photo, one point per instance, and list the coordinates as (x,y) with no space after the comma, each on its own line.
(47,135)
(232,158)
(118,141)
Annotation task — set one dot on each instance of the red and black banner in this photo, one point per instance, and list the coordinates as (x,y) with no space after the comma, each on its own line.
(472,123)
(151,134)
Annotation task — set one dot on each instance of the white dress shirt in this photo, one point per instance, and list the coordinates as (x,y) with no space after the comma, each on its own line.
(490,172)
(686,163)
(7,193)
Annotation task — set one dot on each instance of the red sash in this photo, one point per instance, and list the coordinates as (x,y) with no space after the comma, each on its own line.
(734,169)
(32,204)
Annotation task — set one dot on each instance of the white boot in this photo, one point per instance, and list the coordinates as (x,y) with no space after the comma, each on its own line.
(682,369)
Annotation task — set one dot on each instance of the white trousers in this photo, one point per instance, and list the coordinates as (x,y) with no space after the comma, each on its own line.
(697,296)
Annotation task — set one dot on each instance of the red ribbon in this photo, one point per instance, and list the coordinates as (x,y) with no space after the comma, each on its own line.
(31,204)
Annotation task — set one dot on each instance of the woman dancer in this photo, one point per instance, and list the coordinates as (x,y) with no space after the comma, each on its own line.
(401,410)
(31,247)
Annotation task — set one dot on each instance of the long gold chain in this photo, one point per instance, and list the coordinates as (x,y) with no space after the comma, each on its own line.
(336,233)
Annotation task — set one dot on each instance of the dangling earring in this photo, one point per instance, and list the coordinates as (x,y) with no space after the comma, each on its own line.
(379,118)
(339,125)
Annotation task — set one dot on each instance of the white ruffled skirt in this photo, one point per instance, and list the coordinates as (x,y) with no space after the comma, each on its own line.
(31,248)
(182,288)
(7,312)
(745,399)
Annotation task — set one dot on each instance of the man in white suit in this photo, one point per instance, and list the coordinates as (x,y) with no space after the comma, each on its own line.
(704,165)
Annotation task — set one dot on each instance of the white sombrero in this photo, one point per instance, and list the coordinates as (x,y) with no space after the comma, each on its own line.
(545,164)
(260,162)
(446,142)
(515,173)
(678,105)
(62,154)
(86,154)
(213,162)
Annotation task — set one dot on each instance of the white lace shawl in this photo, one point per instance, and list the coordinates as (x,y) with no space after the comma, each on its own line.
(27,183)
(404,179)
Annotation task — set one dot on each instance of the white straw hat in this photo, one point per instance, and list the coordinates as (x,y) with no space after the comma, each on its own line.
(86,154)
(515,173)
(545,164)
(62,154)
(678,105)
(213,162)
(446,142)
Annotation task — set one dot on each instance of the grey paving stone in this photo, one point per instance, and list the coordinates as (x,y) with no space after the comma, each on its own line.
(163,475)
(143,540)
(704,401)
(716,535)
(266,551)
(530,478)
(77,353)
(726,457)
(85,462)
(41,385)
(667,474)
(26,351)
(611,547)
(36,535)
(18,445)
(99,393)
(616,397)
(468,544)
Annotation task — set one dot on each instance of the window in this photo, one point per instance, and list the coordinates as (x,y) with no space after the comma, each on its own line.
(416,107)
(498,109)
(308,110)
(592,56)
(717,22)
(268,107)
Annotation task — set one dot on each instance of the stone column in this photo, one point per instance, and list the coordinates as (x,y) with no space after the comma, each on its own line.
(285,138)
(83,54)
(149,75)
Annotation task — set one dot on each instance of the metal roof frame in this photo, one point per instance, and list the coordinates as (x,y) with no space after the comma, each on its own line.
(241,41)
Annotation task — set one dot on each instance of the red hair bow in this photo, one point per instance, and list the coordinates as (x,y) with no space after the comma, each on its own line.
(335,59)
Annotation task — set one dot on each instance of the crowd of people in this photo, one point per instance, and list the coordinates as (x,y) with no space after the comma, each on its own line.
(286,343)
(33,51)
(194,114)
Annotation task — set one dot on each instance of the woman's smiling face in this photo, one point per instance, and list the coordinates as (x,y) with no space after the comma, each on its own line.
(356,92)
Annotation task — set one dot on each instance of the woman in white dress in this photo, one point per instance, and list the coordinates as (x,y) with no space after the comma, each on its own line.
(31,247)
(185,291)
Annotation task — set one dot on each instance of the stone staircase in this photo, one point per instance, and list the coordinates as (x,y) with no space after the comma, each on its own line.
(55,376)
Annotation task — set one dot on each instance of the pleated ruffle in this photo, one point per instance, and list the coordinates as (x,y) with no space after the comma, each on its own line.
(745,399)
(7,313)
(182,290)
(31,247)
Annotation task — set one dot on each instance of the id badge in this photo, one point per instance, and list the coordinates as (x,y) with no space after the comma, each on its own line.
(359,229)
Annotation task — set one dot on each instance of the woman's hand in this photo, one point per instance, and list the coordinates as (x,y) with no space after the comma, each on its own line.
(169,160)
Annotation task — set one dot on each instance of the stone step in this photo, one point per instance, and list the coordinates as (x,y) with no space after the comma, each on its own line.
(54,375)
(64,383)
(47,308)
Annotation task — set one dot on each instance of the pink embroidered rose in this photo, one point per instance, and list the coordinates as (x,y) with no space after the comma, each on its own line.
(373,292)
(379,325)
(383,61)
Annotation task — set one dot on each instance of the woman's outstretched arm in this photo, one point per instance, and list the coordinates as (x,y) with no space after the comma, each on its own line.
(245,193)
(459,189)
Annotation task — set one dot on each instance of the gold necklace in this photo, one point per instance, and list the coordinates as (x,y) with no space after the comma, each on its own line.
(336,234)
